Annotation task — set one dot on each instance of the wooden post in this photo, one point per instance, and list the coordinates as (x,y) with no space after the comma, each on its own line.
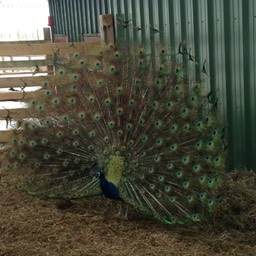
(107,29)
(47,37)
(47,34)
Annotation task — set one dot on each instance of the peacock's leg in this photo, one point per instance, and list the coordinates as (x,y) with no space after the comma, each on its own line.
(119,214)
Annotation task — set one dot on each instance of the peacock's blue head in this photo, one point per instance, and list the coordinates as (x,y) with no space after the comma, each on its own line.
(97,173)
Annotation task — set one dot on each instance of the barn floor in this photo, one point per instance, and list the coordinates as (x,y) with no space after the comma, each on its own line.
(33,227)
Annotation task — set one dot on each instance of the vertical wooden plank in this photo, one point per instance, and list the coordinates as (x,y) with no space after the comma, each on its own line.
(47,34)
(47,37)
(107,29)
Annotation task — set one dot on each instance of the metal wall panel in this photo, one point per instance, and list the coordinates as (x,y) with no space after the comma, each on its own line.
(249,69)
(221,34)
(234,79)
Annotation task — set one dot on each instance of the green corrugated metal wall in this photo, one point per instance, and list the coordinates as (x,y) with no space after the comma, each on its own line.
(221,33)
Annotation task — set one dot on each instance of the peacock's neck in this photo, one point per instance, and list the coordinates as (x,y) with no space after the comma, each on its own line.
(115,169)
(110,183)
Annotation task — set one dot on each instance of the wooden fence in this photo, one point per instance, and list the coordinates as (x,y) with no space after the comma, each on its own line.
(26,64)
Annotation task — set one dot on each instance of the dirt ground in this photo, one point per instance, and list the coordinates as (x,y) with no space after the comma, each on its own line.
(33,227)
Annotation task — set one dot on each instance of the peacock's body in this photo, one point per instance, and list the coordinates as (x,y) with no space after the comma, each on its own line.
(154,140)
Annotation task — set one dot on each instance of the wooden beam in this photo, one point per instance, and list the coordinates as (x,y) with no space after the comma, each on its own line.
(15,114)
(49,48)
(6,136)
(24,64)
(23,81)
(20,96)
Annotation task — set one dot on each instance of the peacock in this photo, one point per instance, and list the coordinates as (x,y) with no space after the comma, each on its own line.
(125,124)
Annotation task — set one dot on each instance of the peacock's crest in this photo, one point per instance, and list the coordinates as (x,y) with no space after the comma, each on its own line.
(152,135)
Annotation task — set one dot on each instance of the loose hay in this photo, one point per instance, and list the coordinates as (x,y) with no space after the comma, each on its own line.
(239,204)
(32,227)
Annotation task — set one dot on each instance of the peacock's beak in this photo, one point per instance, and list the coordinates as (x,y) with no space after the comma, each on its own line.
(94,178)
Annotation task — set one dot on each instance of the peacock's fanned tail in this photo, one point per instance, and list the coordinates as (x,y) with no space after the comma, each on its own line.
(121,103)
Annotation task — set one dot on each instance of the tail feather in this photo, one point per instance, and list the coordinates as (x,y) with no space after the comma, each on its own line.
(122,103)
